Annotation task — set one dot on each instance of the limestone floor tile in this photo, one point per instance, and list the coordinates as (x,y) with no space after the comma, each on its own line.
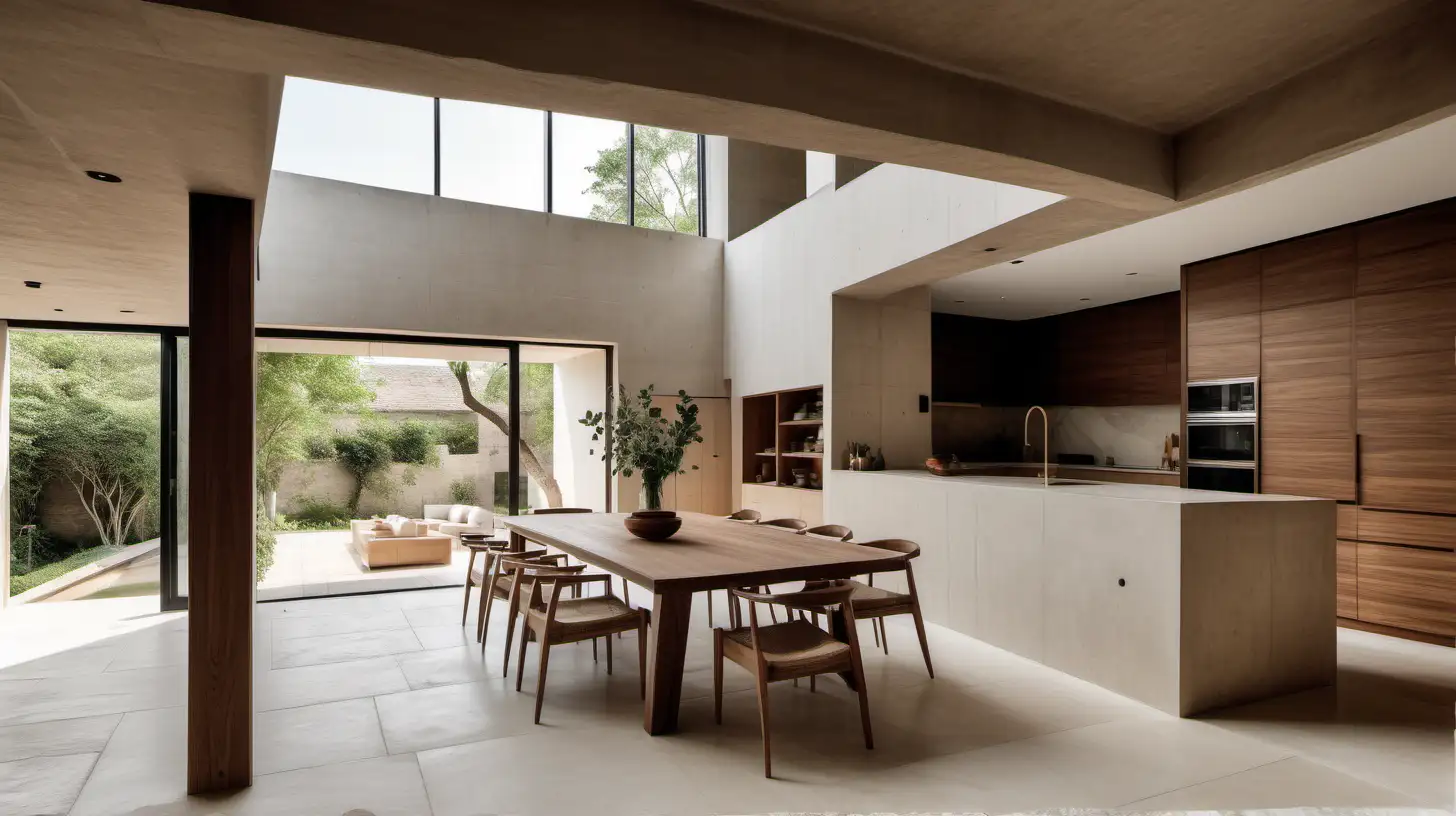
(152,648)
(308,607)
(1098,766)
(452,635)
(82,735)
(1288,783)
(58,698)
(436,615)
(296,626)
(312,651)
(327,682)
(42,786)
(451,715)
(92,659)
(445,667)
(598,771)
(144,764)
(384,786)
(323,734)
(433,597)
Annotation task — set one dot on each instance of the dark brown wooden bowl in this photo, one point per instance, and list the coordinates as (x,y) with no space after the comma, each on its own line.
(653,525)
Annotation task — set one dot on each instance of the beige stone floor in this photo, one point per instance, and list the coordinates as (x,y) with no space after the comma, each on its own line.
(381,702)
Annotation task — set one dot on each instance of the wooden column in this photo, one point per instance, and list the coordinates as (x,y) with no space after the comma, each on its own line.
(220,497)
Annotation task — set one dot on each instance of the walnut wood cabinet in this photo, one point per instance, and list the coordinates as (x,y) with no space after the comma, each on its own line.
(1352,332)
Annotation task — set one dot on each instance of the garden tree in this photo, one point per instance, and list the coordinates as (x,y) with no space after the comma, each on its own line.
(666,175)
(366,454)
(537,401)
(86,409)
(298,394)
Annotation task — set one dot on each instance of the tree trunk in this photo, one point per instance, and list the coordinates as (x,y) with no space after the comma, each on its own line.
(529,461)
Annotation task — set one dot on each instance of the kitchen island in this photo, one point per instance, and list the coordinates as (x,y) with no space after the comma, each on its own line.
(1187,600)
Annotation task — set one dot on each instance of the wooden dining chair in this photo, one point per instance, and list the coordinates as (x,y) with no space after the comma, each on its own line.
(478,545)
(551,620)
(790,650)
(876,603)
(496,582)
(552,511)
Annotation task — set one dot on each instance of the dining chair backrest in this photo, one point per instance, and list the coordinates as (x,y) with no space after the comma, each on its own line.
(746,515)
(835,531)
(551,511)
(899,545)
(815,597)
(786,523)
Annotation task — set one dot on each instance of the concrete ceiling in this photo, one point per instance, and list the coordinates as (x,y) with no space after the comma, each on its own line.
(178,95)
(1159,64)
(1145,258)
(165,127)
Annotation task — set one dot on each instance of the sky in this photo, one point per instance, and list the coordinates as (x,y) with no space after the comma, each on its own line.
(493,154)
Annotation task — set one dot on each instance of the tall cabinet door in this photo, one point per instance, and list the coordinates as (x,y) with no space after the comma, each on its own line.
(1307,386)
(1405,341)
(1222,306)
(703,486)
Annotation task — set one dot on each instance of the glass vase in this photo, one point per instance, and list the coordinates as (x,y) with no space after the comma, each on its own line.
(651,498)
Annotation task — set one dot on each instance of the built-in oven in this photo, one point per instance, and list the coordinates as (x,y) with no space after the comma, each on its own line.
(1222,435)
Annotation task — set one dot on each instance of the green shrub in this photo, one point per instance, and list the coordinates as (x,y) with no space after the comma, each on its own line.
(366,455)
(460,436)
(80,558)
(462,491)
(411,442)
(319,447)
(318,514)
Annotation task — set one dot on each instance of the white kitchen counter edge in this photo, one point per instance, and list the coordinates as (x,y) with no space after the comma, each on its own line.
(1108,490)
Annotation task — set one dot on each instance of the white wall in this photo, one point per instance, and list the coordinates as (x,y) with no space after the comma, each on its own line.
(780,277)
(346,256)
(576,460)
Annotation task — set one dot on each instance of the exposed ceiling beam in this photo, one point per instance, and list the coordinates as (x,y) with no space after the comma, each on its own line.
(1389,86)
(699,68)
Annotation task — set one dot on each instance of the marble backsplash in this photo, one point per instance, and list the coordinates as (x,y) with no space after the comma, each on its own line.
(1132,435)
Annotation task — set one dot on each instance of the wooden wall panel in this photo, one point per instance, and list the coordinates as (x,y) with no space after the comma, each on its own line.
(1412,321)
(1416,529)
(1408,250)
(1346,580)
(1224,287)
(1308,341)
(1407,588)
(1312,269)
(220,495)
(1346,521)
(1222,362)
(1407,425)
(1308,467)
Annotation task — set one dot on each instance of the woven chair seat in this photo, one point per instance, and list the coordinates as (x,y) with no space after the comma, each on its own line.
(579,617)
(785,645)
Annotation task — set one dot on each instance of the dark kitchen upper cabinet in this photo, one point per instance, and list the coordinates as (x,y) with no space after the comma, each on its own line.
(1121,354)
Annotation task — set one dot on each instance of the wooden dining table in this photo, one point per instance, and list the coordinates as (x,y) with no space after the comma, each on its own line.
(708,553)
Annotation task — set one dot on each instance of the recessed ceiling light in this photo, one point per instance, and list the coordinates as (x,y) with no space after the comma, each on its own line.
(1130,274)
(1084,300)
(59,310)
(128,311)
(960,301)
(100,175)
(1018,261)
(1003,297)
(990,249)
(32,284)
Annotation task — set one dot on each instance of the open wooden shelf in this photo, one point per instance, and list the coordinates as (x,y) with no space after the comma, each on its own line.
(768,421)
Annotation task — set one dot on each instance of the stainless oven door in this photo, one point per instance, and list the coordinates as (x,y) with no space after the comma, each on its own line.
(1230,398)
(1222,440)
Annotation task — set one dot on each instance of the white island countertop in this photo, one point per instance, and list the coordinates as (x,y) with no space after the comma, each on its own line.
(1080,487)
(1187,600)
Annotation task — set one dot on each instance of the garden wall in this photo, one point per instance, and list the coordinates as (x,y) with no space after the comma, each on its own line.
(326,480)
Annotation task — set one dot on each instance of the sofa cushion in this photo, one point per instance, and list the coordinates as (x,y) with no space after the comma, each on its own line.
(480,517)
(458,514)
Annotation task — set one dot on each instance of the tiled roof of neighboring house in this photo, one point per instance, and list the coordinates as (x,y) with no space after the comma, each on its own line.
(420,388)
